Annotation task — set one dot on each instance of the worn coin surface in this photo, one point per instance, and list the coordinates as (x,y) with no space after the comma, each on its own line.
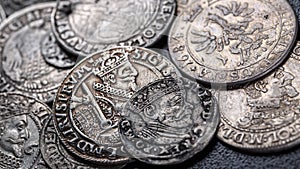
(168,121)
(21,121)
(2,14)
(87,26)
(11,6)
(25,39)
(232,42)
(185,5)
(264,116)
(89,101)
(55,154)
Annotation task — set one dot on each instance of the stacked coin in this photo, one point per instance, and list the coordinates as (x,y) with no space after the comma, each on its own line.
(120,93)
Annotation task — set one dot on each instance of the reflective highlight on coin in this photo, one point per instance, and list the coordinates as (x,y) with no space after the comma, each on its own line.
(89,101)
(84,27)
(264,116)
(168,121)
(232,42)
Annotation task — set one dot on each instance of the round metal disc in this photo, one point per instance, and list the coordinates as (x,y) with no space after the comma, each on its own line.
(264,116)
(168,121)
(24,46)
(89,101)
(232,42)
(55,154)
(84,27)
(21,121)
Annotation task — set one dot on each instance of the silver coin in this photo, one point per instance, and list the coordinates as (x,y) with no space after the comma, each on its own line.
(168,121)
(88,103)
(264,116)
(21,121)
(55,154)
(87,26)
(22,51)
(11,6)
(54,55)
(232,42)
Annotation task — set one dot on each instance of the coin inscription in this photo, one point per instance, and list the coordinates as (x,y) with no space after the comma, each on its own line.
(264,116)
(232,42)
(23,67)
(85,27)
(168,121)
(88,104)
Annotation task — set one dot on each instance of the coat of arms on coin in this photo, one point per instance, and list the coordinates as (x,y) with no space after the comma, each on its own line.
(232,42)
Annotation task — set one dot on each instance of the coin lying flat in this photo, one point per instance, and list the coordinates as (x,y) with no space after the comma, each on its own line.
(264,116)
(11,6)
(168,121)
(84,27)
(89,101)
(232,42)
(55,154)
(25,45)
(21,121)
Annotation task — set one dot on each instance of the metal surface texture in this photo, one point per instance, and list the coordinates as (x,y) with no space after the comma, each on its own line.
(87,26)
(11,6)
(168,121)
(264,115)
(25,42)
(21,121)
(2,14)
(89,101)
(55,154)
(232,42)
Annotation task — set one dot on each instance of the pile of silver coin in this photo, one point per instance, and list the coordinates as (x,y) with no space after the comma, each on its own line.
(104,83)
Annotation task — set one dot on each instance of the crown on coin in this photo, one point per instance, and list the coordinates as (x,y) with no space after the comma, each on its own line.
(153,92)
(110,61)
(11,106)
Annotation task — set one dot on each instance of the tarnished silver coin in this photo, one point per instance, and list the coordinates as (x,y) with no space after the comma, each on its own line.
(21,121)
(232,42)
(168,121)
(55,154)
(25,39)
(11,6)
(87,26)
(88,103)
(264,116)
(2,14)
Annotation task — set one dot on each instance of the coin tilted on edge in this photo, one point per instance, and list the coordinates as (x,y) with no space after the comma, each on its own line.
(232,42)
(89,101)
(55,154)
(84,27)
(21,122)
(264,116)
(25,47)
(168,121)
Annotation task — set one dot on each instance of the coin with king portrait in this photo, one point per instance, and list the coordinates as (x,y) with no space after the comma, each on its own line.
(89,102)
(21,120)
